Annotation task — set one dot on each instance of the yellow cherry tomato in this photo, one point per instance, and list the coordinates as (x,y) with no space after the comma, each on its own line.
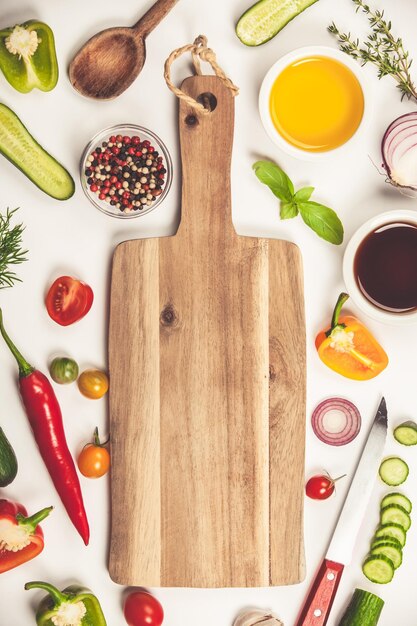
(93,384)
(94,458)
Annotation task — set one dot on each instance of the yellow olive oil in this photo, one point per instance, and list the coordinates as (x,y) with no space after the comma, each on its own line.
(316,104)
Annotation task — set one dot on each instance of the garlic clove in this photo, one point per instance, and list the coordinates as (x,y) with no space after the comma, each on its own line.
(256,617)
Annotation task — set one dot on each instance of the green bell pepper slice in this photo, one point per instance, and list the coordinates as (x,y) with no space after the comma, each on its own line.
(73,606)
(28,56)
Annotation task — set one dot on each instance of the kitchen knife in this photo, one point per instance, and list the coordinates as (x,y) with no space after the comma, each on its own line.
(318,604)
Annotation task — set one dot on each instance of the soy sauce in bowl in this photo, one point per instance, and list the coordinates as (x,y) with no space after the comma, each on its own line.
(385,267)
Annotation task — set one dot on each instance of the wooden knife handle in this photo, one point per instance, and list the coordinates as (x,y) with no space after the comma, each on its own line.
(318,604)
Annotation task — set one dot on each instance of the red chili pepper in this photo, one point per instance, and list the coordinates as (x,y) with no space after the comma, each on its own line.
(21,539)
(45,418)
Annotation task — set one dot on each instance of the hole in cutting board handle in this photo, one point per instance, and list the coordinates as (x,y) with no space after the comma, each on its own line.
(208,100)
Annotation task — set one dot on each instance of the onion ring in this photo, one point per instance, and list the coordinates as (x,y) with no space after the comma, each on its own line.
(336,421)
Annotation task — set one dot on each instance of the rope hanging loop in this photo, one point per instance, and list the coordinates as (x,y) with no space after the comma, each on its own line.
(199,52)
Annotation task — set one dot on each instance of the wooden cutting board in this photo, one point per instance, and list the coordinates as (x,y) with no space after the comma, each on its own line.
(207,402)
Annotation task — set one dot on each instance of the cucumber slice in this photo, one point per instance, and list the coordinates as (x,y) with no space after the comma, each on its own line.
(266,18)
(395,513)
(377,541)
(378,568)
(364,609)
(406,433)
(392,552)
(391,530)
(21,149)
(393,471)
(397,498)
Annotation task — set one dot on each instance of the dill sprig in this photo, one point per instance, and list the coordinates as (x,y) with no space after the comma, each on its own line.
(381,48)
(11,252)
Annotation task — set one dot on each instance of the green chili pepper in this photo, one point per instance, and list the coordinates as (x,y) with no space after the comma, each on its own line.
(75,606)
(28,57)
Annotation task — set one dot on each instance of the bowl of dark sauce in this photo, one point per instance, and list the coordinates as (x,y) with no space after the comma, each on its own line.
(380,267)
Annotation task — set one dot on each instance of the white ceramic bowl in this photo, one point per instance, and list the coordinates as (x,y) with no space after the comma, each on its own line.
(278,67)
(390,217)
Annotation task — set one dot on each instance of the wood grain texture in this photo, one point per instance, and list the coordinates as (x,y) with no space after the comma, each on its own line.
(220,432)
(214,361)
(287,392)
(134,413)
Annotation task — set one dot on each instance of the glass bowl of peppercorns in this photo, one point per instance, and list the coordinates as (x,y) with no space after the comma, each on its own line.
(126,171)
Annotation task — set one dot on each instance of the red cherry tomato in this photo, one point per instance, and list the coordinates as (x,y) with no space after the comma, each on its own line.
(68,300)
(143,609)
(321,486)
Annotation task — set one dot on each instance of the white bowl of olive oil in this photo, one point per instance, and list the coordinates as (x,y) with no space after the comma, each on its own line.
(313,102)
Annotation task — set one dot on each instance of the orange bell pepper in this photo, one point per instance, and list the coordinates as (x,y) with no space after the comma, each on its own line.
(348,347)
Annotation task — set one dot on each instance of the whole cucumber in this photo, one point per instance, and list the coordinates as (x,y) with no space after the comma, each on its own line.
(8,461)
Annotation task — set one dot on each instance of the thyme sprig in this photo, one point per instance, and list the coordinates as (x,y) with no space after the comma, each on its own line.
(381,48)
(11,252)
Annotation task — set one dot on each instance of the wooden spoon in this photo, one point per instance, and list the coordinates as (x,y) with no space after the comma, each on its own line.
(111,60)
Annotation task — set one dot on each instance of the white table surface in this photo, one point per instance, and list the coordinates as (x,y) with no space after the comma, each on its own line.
(74,238)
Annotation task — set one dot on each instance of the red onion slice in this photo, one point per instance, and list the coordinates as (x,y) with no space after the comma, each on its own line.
(397,136)
(336,421)
(399,151)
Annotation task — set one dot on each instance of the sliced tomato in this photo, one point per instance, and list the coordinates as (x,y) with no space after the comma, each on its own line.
(68,300)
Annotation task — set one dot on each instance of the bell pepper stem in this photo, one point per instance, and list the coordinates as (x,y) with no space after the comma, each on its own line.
(24,367)
(34,520)
(57,596)
(337,310)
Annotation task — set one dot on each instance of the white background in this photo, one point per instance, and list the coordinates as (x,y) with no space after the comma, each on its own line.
(74,238)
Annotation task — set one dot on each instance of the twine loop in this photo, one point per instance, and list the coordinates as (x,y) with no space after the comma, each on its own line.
(199,52)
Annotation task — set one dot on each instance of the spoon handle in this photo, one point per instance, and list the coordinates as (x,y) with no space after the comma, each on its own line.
(153,17)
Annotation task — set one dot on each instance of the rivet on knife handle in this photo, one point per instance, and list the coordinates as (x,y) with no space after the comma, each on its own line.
(316,609)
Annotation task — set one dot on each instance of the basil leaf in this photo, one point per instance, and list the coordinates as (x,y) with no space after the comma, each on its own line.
(288,210)
(322,220)
(303,194)
(275,178)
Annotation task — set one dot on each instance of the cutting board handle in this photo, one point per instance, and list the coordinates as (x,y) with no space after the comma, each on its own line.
(203,137)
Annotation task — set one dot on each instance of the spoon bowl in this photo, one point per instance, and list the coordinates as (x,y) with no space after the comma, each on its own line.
(111,60)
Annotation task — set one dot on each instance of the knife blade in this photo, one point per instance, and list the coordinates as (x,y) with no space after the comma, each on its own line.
(316,609)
